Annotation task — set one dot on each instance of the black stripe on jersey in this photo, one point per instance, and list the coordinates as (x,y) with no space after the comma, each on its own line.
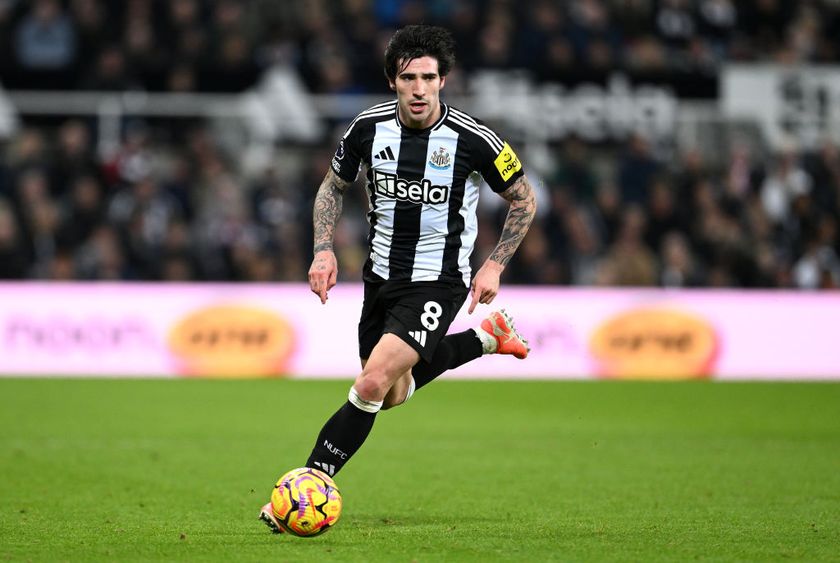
(412,167)
(455,222)
(489,137)
(379,110)
(471,121)
(371,220)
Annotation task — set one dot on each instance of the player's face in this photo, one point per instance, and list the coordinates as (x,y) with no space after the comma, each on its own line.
(418,87)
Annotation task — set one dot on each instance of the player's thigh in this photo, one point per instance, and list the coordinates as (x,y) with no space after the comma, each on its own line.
(389,362)
(372,319)
(392,357)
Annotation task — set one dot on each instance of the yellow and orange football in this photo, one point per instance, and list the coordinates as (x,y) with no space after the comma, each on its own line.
(306,502)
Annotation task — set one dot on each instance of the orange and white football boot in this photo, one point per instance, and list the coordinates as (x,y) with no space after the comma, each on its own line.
(499,325)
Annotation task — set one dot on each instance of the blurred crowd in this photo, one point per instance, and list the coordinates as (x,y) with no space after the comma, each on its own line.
(608,216)
(222,45)
(179,207)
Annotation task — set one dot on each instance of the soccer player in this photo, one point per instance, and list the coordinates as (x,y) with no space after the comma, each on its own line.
(423,161)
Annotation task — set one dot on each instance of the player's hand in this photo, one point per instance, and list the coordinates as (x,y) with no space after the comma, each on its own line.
(323,273)
(485,284)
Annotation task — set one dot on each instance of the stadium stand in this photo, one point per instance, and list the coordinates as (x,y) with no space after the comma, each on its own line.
(174,200)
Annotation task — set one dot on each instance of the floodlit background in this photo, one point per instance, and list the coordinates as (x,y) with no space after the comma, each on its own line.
(158,162)
(673,143)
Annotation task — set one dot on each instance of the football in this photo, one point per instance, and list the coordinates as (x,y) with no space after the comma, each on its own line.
(306,502)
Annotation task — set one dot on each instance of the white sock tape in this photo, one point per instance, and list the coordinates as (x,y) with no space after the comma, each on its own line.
(363,405)
(411,387)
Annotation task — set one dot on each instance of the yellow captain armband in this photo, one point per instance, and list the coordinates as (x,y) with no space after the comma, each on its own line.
(507,163)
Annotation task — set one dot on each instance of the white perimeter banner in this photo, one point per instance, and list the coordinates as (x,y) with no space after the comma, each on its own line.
(256,330)
(790,103)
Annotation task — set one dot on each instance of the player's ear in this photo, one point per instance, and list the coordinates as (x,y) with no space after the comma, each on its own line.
(392,85)
(442,82)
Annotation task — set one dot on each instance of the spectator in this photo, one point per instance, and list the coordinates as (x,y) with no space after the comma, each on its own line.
(6,33)
(717,20)
(142,213)
(83,211)
(110,72)
(675,23)
(14,263)
(101,257)
(786,181)
(90,17)
(629,262)
(143,52)
(818,268)
(663,213)
(636,171)
(679,266)
(574,171)
(584,248)
(45,38)
(73,157)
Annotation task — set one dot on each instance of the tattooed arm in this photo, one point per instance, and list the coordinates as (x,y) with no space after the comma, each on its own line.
(328,203)
(523,207)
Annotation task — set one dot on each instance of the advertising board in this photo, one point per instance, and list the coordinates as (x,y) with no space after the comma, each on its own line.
(256,330)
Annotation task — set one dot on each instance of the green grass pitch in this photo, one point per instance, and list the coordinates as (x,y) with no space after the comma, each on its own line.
(144,470)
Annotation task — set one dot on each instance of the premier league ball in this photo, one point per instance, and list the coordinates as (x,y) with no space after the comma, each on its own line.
(306,502)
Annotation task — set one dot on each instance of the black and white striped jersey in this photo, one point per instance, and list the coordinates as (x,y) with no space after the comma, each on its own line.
(423,188)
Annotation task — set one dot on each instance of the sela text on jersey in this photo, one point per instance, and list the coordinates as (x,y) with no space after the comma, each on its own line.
(390,185)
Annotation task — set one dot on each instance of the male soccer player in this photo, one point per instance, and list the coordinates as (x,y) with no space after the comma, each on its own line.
(423,161)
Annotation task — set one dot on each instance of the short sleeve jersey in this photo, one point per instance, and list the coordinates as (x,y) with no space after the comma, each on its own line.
(423,189)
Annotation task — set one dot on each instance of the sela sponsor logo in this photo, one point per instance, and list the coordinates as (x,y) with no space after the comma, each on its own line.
(612,111)
(440,159)
(507,163)
(390,185)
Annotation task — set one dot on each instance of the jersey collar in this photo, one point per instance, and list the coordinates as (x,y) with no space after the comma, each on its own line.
(444,111)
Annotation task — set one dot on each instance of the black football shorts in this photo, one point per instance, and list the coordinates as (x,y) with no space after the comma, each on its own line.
(418,312)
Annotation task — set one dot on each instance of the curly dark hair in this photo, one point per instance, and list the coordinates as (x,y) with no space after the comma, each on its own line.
(415,41)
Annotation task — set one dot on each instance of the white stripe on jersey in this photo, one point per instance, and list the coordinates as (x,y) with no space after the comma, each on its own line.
(468,212)
(387,135)
(485,133)
(375,111)
(471,190)
(434,218)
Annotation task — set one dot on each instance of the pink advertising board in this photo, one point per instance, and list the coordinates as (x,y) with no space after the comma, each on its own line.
(236,330)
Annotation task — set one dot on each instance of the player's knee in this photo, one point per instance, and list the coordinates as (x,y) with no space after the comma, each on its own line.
(372,385)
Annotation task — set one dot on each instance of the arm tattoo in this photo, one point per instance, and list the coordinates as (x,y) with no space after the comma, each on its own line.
(523,207)
(327,210)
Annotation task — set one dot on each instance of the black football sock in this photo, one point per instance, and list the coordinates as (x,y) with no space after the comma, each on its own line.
(453,351)
(343,435)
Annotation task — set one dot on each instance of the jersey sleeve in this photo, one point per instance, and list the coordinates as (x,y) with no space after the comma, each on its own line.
(348,156)
(498,164)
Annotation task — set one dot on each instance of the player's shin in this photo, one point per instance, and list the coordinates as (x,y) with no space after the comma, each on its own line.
(453,351)
(343,434)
